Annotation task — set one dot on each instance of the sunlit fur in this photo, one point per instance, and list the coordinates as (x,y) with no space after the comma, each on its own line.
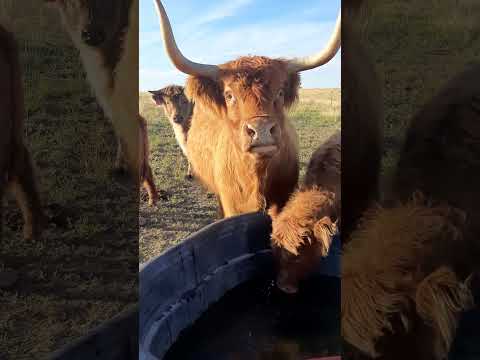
(115,85)
(216,144)
(16,168)
(303,231)
(398,268)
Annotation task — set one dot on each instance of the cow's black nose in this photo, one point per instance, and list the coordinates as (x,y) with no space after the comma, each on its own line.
(93,37)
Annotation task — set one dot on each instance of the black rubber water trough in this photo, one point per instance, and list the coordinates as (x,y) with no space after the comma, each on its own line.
(178,286)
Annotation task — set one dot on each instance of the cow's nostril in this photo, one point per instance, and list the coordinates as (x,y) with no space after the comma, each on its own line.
(273,129)
(86,35)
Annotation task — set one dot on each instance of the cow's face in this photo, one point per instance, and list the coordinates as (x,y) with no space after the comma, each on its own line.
(177,107)
(250,93)
(292,269)
(251,96)
(301,235)
(313,244)
(93,22)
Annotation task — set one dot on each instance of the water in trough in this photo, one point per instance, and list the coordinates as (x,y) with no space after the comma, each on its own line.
(255,321)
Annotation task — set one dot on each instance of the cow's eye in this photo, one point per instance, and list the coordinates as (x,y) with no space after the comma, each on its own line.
(280,93)
(229,98)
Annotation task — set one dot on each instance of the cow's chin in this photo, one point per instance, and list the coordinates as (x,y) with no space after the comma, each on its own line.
(286,284)
(266,151)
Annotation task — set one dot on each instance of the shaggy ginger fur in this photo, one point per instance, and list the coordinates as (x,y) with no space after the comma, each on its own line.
(302,232)
(410,279)
(250,91)
(16,168)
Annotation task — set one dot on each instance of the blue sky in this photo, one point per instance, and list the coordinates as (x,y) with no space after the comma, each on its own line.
(217,31)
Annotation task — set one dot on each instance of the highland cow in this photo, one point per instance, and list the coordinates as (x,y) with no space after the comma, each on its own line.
(106,34)
(178,110)
(240,143)
(16,167)
(302,232)
(401,295)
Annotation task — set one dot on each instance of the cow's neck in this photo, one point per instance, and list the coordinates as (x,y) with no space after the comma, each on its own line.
(254,180)
(100,64)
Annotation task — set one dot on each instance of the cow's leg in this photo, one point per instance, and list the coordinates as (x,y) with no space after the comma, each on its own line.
(189,175)
(120,166)
(228,207)
(220,211)
(149,185)
(146,171)
(24,187)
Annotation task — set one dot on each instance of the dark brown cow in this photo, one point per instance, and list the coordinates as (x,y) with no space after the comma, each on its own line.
(441,154)
(362,120)
(106,34)
(240,144)
(178,110)
(303,231)
(16,169)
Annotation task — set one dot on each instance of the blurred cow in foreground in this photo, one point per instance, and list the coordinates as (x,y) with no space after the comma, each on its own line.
(240,143)
(304,229)
(106,34)
(406,270)
(16,168)
(178,110)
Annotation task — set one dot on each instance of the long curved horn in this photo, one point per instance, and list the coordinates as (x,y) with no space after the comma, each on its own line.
(324,56)
(181,62)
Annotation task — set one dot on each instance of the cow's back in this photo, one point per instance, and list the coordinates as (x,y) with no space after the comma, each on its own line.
(324,167)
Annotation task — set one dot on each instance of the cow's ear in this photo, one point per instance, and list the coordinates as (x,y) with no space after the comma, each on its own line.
(205,92)
(324,230)
(291,89)
(157,97)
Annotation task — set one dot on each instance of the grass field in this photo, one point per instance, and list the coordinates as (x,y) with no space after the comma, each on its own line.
(186,207)
(417,47)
